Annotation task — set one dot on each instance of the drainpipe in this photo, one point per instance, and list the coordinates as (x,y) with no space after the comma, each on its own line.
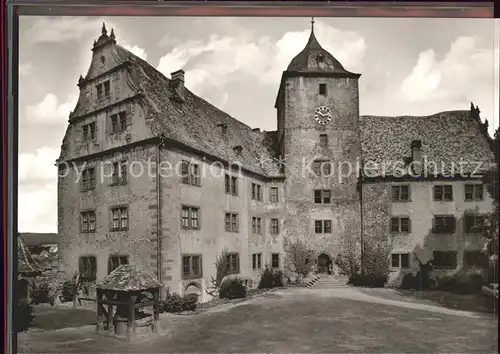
(362,228)
(159,208)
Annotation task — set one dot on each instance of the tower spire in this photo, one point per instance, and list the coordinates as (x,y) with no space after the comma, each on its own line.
(104,31)
(312,24)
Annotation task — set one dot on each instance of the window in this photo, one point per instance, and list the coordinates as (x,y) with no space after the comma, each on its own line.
(120,218)
(190,217)
(256,225)
(275,260)
(275,227)
(231,222)
(88,131)
(475,259)
(443,193)
(400,260)
(233,263)
(119,173)
(322,196)
(257,261)
(444,259)
(400,193)
(231,184)
(191,266)
(274,194)
(321,168)
(87,221)
(87,267)
(190,173)
(323,226)
(256,192)
(106,88)
(115,261)
(400,225)
(88,179)
(99,89)
(473,223)
(473,192)
(103,89)
(443,224)
(322,89)
(320,58)
(118,122)
(323,140)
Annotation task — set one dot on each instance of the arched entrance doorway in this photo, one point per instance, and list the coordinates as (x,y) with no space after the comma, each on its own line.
(324,263)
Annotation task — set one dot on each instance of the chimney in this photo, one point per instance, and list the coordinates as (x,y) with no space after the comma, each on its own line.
(416,156)
(256,130)
(177,83)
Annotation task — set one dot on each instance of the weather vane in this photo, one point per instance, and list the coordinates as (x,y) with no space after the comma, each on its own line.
(312,23)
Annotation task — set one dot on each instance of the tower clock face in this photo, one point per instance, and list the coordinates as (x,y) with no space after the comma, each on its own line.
(323,115)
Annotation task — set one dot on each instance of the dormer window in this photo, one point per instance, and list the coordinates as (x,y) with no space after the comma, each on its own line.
(320,58)
(223,127)
(238,149)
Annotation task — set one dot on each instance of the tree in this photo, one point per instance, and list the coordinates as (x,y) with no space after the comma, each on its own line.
(221,272)
(300,259)
(490,226)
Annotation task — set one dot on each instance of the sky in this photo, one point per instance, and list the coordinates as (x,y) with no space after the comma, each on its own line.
(408,67)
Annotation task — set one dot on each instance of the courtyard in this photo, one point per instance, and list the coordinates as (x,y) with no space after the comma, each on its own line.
(300,320)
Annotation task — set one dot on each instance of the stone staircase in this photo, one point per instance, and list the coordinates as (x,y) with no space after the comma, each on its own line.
(327,282)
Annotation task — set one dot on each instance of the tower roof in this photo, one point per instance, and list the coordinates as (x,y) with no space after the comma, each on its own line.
(313,58)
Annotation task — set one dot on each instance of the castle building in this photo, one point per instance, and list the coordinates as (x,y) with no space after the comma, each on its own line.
(152,174)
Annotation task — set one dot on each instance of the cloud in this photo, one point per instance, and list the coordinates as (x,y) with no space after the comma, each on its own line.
(39,166)
(212,64)
(25,69)
(140,52)
(62,29)
(465,73)
(50,111)
(37,208)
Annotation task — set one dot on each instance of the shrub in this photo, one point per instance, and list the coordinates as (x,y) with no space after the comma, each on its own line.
(271,278)
(23,316)
(232,288)
(189,302)
(463,282)
(69,289)
(41,293)
(367,280)
(175,303)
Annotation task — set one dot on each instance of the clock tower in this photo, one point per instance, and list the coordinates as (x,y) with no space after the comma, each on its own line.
(319,136)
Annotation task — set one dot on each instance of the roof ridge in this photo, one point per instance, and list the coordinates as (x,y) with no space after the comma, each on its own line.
(414,116)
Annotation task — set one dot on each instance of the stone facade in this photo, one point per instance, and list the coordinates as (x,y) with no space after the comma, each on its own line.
(140,118)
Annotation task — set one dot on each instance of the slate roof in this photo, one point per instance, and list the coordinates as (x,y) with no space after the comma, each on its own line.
(127,277)
(25,263)
(195,122)
(307,60)
(39,239)
(446,138)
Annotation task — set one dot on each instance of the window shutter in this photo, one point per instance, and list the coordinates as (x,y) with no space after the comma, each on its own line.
(409,225)
(200,263)
(96,125)
(129,114)
(453,224)
(433,224)
(237,262)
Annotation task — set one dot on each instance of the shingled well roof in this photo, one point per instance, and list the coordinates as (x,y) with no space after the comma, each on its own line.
(447,138)
(127,277)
